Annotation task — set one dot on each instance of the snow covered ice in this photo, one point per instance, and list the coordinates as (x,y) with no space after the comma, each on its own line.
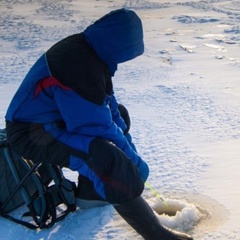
(183,96)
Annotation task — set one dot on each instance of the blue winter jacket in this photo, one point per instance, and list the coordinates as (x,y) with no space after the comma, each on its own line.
(71,84)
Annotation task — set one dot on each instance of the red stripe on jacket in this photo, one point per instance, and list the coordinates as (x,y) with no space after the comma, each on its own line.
(49,82)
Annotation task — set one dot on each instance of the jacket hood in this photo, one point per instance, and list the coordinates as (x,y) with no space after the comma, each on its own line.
(116,37)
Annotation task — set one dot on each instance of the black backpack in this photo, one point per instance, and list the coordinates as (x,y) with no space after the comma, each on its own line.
(41,188)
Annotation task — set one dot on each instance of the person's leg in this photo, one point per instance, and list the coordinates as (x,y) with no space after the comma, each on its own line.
(139,215)
(31,141)
(120,177)
(123,188)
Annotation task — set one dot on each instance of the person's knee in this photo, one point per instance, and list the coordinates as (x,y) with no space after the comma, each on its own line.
(101,157)
(121,178)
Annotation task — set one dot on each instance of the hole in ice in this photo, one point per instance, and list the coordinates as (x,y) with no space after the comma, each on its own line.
(177,214)
(168,207)
(191,212)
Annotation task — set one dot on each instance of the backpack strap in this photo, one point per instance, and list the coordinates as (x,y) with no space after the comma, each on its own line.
(62,191)
(49,217)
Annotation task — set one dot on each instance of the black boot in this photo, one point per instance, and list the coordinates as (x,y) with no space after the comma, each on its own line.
(139,215)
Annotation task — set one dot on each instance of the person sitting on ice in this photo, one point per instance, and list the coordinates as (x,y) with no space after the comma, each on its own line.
(65,113)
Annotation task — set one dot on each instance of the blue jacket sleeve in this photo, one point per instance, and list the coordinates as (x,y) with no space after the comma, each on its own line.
(116,115)
(119,121)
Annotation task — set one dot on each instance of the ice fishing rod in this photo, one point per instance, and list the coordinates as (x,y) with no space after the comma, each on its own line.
(156,193)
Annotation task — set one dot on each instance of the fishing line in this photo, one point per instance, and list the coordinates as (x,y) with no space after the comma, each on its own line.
(156,193)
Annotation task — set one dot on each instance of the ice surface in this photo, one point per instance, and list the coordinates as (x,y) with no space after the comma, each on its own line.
(183,96)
